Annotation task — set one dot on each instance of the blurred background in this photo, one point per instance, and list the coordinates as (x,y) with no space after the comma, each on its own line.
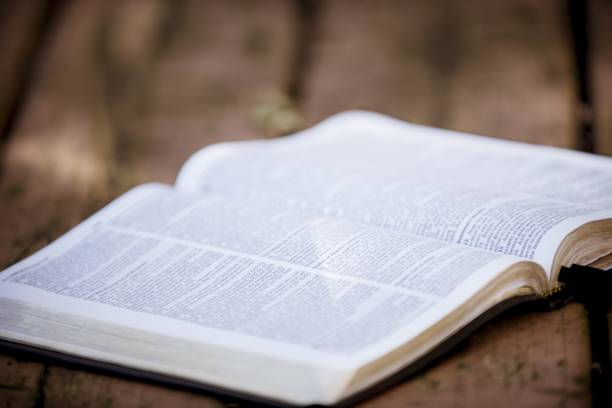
(97,96)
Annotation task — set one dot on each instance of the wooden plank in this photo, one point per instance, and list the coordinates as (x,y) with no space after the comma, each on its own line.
(124,93)
(71,388)
(507,363)
(498,68)
(600,13)
(216,72)
(19,24)
(113,100)
(57,159)
(19,382)
(600,32)
(54,171)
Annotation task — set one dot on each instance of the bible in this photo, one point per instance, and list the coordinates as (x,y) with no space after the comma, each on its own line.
(314,267)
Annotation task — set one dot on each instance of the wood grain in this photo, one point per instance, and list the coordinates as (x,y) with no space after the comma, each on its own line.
(127,90)
(521,359)
(19,24)
(498,68)
(600,15)
(211,72)
(600,32)
(69,388)
(20,382)
(55,168)
(124,92)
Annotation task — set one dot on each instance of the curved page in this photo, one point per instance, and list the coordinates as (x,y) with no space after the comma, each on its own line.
(501,196)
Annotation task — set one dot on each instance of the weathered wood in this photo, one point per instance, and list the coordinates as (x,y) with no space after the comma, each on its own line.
(498,68)
(128,90)
(19,24)
(124,93)
(19,382)
(71,388)
(507,363)
(600,33)
(56,160)
(600,15)
(54,170)
(213,72)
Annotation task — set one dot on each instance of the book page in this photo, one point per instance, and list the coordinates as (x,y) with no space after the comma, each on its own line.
(250,276)
(496,195)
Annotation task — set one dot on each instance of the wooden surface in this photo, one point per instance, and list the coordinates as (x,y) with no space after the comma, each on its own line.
(123,92)
(601,72)
(600,15)
(496,68)
(19,23)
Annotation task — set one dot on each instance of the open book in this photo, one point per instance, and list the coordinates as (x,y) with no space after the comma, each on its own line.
(309,268)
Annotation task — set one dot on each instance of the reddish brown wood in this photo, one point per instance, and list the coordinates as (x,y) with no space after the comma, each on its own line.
(497,68)
(20,382)
(71,389)
(601,75)
(209,72)
(56,163)
(54,172)
(534,359)
(125,91)
(600,31)
(19,24)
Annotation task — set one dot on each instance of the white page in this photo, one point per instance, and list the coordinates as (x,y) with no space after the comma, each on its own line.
(254,277)
(500,196)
